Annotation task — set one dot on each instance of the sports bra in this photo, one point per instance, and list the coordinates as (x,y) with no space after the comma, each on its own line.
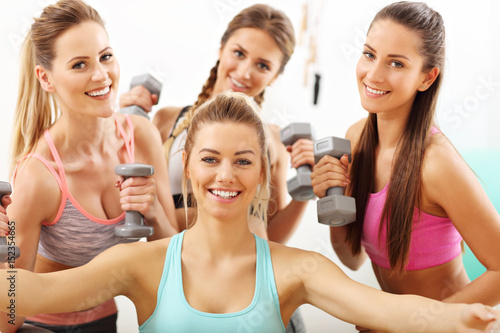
(434,240)
(173,312)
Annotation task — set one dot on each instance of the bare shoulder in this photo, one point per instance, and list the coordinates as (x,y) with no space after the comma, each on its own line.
(276,149)
(440,158)
(164,120)
(354,132)
(289,260)
(35,186)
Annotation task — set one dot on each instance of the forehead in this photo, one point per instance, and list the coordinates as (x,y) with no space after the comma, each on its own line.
(258,42)
(227,137)
(387,36)
(83,39)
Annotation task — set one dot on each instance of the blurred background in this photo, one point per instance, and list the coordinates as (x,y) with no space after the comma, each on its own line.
(178,42)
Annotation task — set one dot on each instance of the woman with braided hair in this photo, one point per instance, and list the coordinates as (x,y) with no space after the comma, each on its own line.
(255,48)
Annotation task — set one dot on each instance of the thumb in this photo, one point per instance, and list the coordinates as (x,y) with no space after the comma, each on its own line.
(154,99)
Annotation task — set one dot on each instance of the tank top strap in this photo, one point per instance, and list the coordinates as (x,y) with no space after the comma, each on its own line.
(128,140)
(57,159)
(434,130)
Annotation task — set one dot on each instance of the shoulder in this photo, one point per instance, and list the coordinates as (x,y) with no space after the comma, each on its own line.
(354,131)
(164,120)
(289,260)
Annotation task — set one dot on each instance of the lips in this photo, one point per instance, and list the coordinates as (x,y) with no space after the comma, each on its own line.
(237,85)
(99,92)
(376,91)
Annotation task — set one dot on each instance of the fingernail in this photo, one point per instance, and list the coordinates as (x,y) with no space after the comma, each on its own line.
(117,184)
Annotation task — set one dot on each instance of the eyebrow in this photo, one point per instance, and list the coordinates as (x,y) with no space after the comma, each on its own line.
(389,55)
(260,59)
(81,57)
(213,151)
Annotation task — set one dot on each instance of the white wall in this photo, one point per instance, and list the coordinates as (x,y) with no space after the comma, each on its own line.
(178,41)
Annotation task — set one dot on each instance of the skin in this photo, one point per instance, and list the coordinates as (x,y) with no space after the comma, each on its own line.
(218,258)
(86,138)
(452,191)
(249,62)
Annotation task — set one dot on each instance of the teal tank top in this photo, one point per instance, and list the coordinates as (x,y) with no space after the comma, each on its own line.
(174,314)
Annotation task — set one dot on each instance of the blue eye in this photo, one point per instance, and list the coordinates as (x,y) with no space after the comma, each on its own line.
(106,56)
(244,162)
(369,55)
(397,64)
(79,65)
(209,160)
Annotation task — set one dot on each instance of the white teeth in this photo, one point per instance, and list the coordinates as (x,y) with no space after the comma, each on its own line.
(378,92)
(99,92)
(224,194)
(237,84)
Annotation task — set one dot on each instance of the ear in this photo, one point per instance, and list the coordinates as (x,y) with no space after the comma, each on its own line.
(43,77)
(429,79)
(184,163)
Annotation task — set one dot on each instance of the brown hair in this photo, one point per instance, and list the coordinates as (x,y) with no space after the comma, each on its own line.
(36,110)
(259,16)
(234,108)
(405,183)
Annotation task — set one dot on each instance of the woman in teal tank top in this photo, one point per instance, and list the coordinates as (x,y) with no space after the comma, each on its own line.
(217,276)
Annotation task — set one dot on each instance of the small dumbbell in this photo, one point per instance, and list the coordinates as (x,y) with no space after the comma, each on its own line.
(7,252)
(134,221)
(335,209)
(299,187)
(150,83)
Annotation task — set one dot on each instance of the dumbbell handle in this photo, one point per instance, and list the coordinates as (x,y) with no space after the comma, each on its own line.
(337,190)
(304,168)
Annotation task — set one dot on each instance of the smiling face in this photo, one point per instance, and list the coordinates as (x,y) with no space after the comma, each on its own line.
(249,61)
(389,72)
(84,74)
(225,169)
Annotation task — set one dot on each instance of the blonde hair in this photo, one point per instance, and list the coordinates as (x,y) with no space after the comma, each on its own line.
(36,110)
(262,17)
(237,108)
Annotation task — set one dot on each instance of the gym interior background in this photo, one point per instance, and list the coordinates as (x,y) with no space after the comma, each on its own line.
(178,42)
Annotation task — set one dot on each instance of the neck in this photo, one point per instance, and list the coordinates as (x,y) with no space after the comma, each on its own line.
(218,238)
(83,133)
(390,130)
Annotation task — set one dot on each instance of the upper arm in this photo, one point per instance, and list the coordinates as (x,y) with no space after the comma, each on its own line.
(36,198)
(279,166)
(164,120)
(449,183)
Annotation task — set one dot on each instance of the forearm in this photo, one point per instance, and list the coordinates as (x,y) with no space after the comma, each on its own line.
(478,291)
(283,223)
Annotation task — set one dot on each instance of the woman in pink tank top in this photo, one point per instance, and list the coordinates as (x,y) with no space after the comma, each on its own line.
(415,196)
(67,198)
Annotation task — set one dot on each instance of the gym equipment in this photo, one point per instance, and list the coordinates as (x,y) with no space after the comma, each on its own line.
(7,252)
(134,221)
(150,83)
(299,187)
(335,209)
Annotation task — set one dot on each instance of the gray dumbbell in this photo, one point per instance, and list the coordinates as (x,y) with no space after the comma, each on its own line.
(7,252)
(299,187)
(150,83)
(335,209)
(134,221)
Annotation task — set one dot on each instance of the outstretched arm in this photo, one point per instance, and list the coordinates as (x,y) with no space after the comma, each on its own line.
(25,293)
(329,289)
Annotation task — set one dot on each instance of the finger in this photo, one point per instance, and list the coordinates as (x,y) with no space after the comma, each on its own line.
(136,182)
(6,201)
(154,99)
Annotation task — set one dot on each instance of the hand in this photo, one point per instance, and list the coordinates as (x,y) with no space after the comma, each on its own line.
(139,96)
(478,317)
(4,219)
(138,194)
(301,152)
(330,172)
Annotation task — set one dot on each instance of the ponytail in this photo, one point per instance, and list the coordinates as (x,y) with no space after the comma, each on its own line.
(33,113)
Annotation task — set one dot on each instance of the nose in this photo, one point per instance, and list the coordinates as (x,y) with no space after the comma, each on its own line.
(245,69)
(225,173)
(100,73)
(376,72)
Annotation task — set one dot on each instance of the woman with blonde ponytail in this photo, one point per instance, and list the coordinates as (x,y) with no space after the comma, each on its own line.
(67,141)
